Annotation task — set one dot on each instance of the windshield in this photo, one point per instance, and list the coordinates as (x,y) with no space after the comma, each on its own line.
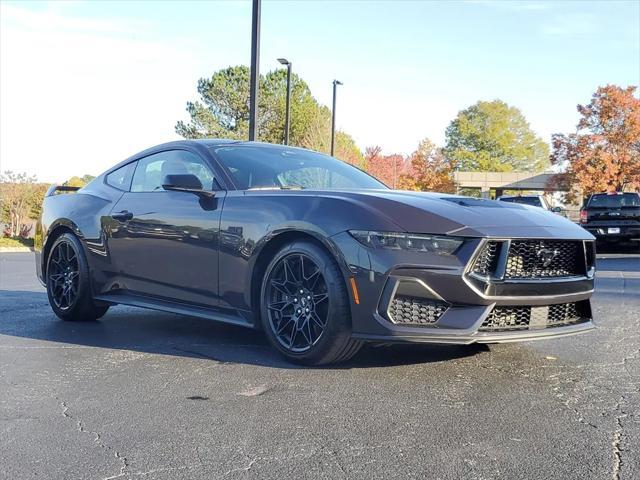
(264,167)
(533,201)
(614,201)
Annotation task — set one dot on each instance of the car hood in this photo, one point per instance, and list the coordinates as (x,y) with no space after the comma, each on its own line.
(421,212)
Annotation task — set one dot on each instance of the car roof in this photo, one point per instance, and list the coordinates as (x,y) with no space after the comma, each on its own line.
(198,143)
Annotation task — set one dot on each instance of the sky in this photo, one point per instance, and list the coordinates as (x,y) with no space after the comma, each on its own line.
(84,85)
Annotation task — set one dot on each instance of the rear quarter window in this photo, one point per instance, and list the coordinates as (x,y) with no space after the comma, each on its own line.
(121,178)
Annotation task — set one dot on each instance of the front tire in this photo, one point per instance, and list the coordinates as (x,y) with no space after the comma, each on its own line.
(68,282)
(304,306)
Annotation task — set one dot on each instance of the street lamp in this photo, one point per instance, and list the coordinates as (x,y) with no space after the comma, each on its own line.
(255,74)
(333,117)
(286,62)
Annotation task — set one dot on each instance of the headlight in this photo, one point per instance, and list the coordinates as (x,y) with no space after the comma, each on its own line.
(413,242)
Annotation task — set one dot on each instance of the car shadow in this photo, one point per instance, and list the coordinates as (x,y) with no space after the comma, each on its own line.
(622,248)
(27,315)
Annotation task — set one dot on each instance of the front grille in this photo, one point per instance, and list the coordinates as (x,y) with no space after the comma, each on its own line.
(414,310)
(544,259)
(487,260)
(530,259)
(507,318)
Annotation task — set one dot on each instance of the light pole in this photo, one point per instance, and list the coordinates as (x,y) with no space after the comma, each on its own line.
(255,73)
(287,120)
(333,117)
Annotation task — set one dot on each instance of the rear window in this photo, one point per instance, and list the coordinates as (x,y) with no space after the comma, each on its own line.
(621,200)
(533,201)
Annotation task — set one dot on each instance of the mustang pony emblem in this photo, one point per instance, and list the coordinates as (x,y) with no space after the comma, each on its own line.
(546,256)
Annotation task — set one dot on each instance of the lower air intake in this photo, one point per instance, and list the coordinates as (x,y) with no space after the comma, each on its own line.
(408,310)
(504,318)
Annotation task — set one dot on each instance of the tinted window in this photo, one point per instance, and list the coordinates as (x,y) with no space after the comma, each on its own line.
(151,170)
(533,201)
(121,178)
(614,201)
(275,167)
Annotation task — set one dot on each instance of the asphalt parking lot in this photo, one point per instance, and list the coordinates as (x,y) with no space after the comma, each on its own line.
(143,394)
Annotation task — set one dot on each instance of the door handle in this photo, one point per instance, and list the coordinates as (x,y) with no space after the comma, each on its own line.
(122,216)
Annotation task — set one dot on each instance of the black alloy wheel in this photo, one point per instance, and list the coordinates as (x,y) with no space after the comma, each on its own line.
(63,273)
(298,302)
(305,307)
(68,281)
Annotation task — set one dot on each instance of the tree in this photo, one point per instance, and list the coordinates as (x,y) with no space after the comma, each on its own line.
(21,199)
(429,170)
(347,150)
(78,181)
(492,136)
(604,153)
(223,109)
(386,168)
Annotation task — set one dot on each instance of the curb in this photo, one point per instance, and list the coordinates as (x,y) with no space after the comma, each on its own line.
(15,249)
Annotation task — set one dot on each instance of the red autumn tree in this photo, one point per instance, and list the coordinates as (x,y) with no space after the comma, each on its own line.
(604,153)
(429,170)
(386,168)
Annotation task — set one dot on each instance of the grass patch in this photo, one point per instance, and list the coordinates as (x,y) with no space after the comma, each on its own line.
(16,242)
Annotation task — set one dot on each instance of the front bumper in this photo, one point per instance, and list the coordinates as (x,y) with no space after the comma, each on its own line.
(455,337)
(449,306)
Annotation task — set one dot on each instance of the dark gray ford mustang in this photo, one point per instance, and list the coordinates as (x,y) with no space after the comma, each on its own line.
(317,253)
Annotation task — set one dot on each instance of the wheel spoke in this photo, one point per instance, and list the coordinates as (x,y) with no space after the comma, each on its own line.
(279,306)
(292,339)
(317,321)
(302,267)
(285,324)
(281,287)
(320,297)
(289,272)
(306,333)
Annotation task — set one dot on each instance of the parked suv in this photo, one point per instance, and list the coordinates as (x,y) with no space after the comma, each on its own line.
(612,217)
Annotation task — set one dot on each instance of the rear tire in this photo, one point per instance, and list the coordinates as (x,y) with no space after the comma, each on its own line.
(304,306)
(68,282)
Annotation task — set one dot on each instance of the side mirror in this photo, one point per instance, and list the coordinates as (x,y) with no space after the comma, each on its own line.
(186,182)
(556,210)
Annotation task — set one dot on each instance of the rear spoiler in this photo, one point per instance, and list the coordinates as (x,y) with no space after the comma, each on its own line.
(54,189)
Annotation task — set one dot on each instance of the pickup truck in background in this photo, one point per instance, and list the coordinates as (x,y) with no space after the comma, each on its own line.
(612,217)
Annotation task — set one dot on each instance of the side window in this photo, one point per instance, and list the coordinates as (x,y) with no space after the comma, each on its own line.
(151,170)
(121,178)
